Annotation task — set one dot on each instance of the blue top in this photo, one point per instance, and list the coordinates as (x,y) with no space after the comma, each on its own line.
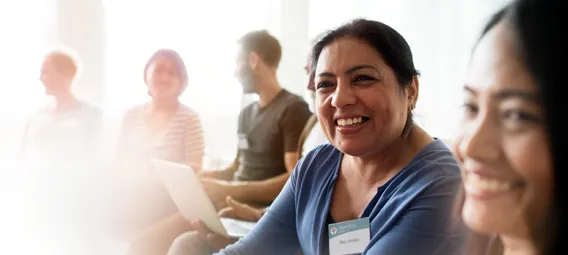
(410,214)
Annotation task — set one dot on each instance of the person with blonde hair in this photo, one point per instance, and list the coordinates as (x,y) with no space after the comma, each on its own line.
(66,127)
(61,149)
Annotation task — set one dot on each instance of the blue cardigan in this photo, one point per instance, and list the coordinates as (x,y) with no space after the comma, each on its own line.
(412,213)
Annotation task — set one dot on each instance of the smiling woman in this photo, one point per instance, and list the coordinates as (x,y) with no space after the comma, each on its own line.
(508,145)
(388,175)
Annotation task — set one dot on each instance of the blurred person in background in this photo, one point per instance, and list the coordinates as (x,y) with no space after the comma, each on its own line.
(162,128)
(202,240)
(61,151)
(511,140)
(67,128)
(268,132)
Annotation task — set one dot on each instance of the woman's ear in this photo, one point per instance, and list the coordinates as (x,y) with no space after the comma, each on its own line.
(412,92)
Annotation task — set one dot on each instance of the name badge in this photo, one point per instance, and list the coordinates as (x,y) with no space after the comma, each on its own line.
(349,237)
(243,142)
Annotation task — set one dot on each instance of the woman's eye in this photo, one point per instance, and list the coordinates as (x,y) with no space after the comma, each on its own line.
(363,79)
(324,84)
(520,117)
(470,109)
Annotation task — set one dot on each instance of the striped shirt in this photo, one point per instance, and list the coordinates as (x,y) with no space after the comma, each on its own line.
(181,141)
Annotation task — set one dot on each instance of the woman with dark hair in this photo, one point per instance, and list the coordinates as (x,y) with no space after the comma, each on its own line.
(383,185)
(510,140)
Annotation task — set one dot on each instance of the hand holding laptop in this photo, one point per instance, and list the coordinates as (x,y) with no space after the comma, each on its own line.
(217,190)
(241,211)
(192,201)
(234,210)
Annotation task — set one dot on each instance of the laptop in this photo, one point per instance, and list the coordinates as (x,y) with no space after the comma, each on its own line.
(192,200)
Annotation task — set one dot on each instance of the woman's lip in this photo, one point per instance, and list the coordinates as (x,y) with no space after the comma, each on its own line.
(350,129)
(486,187)
(350,116)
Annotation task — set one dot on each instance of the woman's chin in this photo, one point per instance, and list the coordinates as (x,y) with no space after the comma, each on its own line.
(481,219)
(353,147)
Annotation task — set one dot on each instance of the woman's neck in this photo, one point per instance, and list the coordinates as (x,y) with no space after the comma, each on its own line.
(380,166)
(166,106)
(518,246)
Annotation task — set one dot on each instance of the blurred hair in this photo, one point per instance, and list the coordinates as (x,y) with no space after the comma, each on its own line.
(537,30)
(264,44)
(65,61)
(179,63)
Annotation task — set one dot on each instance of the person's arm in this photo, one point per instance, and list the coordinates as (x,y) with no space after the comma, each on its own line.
(194,143)
(241,211)
(235,210)
(275,233)
(264,191)
(429,224)
(223,174)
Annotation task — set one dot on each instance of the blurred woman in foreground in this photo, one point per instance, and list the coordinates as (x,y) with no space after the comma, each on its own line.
(510,141)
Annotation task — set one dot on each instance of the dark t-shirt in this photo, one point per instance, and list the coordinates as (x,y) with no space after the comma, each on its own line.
(266,133)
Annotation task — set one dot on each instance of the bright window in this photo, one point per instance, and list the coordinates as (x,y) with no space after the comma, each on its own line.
(25,27)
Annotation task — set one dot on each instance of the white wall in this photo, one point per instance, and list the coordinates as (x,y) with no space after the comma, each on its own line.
(26,33)
(293,35)
(80,26)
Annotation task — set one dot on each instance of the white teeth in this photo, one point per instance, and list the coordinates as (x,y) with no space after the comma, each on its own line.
(478,182)
(349,121)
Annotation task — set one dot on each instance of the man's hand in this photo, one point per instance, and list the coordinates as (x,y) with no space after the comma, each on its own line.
(240,211)
(217,190)
(213,240)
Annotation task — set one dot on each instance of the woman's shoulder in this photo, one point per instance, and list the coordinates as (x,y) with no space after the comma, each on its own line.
(434,167)
(320,162)
(187,113)
(437,159)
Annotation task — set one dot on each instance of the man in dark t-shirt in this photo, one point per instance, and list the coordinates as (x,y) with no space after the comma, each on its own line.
(268,129)
(270,132)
